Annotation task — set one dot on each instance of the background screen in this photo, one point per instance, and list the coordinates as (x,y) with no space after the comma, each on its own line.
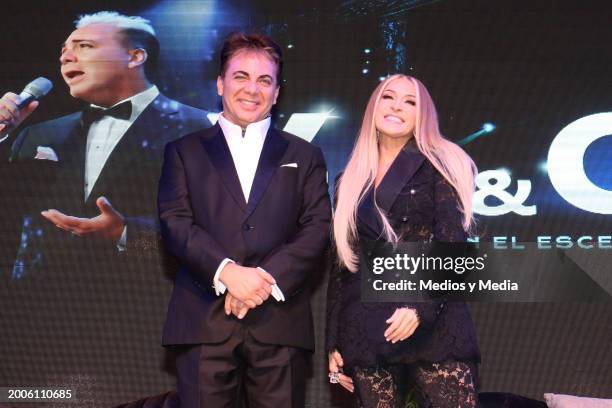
(524,86)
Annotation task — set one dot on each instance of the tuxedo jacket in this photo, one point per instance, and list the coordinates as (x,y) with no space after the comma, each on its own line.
(128,180)
(420,206)
(283,227)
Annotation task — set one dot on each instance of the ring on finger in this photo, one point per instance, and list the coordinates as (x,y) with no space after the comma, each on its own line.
(334,378)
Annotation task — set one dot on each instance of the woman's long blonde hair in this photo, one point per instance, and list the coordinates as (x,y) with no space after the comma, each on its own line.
(358,177)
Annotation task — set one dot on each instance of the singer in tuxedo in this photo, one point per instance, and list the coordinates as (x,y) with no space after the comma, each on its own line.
(89,257)
(245,209)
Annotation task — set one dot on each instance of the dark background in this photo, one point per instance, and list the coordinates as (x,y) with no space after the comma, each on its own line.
(529,67)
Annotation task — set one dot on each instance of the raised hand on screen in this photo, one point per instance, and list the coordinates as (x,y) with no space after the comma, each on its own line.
(10,115)
(109,224)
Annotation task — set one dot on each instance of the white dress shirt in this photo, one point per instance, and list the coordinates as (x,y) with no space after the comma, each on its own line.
(104,134)
(245,149)
(102,137)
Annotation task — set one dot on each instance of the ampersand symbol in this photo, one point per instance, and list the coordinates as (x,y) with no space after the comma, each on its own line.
(494,183)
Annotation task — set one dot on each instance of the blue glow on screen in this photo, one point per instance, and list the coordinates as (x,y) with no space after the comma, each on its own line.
(598,162)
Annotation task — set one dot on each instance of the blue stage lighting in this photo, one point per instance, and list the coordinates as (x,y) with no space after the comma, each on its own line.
(488,127)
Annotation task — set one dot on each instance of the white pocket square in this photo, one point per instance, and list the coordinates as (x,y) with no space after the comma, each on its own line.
(45,153)
(289,165)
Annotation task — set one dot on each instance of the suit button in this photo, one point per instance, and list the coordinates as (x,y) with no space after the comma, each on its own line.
(404,218)
(247,227)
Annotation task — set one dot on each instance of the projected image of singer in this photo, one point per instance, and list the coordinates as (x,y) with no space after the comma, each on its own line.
(403,182)
(89,267)
(105,160)
(244,207)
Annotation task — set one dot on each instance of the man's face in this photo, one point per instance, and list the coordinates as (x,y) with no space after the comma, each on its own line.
(94,64)
(248,88)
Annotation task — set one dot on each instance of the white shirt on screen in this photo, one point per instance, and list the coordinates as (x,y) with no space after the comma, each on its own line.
(104,135)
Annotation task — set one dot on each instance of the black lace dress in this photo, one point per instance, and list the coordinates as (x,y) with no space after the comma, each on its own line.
(420,206)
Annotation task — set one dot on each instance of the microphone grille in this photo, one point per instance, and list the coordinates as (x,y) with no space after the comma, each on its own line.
(39,87)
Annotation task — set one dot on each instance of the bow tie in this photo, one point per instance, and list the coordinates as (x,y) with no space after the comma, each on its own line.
(121,111)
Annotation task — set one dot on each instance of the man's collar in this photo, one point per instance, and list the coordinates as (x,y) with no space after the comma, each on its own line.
(259,128)
(139,101)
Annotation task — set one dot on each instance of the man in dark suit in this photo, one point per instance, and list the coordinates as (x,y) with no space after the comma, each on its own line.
(87,183)
(114,147)
(244,208)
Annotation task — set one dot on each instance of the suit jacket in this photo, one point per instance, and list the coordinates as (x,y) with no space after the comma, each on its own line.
(128,180)
(283,228)
(420,206)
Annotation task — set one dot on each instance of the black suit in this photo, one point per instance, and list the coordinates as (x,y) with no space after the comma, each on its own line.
(89,295)
(284,229)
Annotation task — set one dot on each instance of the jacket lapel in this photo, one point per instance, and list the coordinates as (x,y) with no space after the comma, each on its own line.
(273,150)
(133,143)
(368,216)
(403,168)
(221,157)
(71,153)
(407,162)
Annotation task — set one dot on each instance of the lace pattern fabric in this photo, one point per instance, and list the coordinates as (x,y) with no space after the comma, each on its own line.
(378,387)
(450,384)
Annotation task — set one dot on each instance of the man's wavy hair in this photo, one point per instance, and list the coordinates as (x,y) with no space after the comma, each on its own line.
(237,42)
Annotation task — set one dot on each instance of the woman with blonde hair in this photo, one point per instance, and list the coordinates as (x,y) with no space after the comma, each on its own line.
(404,182)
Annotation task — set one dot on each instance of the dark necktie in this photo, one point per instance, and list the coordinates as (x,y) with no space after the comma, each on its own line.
(92,113)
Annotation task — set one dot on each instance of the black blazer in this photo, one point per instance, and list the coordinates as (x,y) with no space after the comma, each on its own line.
(420,205)
(283,228)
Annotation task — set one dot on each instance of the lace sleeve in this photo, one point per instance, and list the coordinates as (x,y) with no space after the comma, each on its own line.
(427,312)
(448,217)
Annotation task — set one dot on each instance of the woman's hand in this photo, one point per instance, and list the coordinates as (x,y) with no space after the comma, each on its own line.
(402,324)
(335,372)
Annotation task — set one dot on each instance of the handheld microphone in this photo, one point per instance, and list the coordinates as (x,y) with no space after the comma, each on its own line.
(34,91)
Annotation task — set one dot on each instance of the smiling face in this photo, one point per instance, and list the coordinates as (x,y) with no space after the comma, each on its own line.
(395,114)
(96,66)
(248,87)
